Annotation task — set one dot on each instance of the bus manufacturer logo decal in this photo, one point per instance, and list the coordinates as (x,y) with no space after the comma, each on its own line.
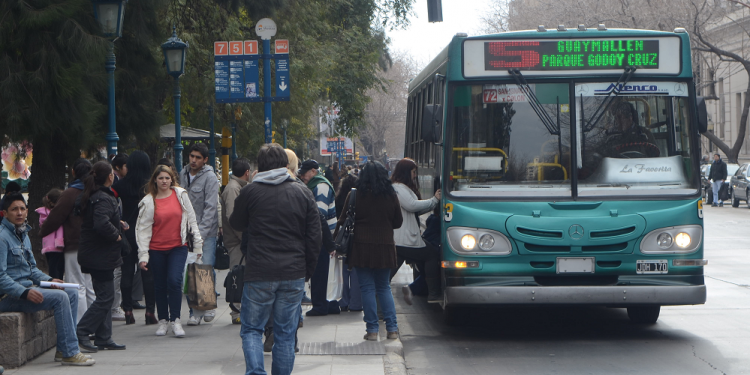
(631,90)
(576,232)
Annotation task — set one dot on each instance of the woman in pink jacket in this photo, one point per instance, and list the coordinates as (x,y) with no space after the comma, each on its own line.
(52,244)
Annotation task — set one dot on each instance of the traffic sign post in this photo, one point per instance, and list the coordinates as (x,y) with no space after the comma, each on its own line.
(237,71)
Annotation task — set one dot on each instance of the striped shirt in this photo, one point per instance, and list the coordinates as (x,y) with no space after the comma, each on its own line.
(325,198)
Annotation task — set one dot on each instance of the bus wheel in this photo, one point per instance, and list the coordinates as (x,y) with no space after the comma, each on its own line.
(455,315)
(644,314)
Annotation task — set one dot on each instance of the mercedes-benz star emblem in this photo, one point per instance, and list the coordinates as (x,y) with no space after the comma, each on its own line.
(575,232)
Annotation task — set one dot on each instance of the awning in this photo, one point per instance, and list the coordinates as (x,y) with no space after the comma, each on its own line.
(166,133)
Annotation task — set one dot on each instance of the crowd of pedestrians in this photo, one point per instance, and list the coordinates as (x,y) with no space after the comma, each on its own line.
(123,225)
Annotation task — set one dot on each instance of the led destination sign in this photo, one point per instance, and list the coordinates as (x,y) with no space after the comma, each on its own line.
(581,54)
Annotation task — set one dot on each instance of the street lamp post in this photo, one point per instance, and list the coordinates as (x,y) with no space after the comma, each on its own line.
(284,124)
(109,14)
(174,56)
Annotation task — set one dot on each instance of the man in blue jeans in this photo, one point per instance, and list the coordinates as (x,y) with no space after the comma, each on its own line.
(283,230)
(717,175)
(19,281)
(203,188)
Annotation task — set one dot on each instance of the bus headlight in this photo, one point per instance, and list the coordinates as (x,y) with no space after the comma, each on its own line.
(486,242)
(468,242)
(672,240)
(682,240)
(477,241)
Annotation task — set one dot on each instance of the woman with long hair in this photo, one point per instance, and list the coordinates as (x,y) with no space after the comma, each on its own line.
(164,220)
(409,243)
(131,189)
(99,254)
(373,255)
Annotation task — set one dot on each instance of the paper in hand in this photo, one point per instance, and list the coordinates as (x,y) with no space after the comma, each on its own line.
(47,284)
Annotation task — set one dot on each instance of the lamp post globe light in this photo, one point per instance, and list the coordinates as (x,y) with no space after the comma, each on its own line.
(174,57)
(110,15)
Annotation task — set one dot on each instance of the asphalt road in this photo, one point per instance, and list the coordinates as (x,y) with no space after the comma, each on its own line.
(708,339)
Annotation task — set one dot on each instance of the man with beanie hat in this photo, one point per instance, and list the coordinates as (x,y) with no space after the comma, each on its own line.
(325,198)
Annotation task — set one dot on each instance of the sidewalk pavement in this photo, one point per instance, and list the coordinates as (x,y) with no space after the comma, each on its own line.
(328,345)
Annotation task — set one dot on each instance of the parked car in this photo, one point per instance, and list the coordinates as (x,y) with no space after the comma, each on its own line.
(708,191)
(740,184)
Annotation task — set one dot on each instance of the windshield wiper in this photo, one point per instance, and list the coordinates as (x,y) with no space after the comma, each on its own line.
(553,128)
(604,105)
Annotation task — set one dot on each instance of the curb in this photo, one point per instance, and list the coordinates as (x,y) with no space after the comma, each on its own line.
(394,364)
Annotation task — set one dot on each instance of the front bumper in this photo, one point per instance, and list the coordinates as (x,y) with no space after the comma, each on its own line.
(576,295)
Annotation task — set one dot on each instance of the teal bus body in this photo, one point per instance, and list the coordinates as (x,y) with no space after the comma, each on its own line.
(601,224)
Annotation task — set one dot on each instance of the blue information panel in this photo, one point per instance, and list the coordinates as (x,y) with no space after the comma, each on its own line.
(252,81)
(282,77)
(236,78)
(221,73)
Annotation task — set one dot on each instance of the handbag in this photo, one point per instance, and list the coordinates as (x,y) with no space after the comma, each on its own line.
(345,237)
(222,255)
(201,290)
(234,282)
(335,286)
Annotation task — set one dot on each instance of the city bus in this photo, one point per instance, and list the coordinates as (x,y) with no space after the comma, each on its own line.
(569,166)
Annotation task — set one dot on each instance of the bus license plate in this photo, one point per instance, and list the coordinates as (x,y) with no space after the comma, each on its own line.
(575,265)
(656,266)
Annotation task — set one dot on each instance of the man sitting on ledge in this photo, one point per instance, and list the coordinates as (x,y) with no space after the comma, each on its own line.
(19,283)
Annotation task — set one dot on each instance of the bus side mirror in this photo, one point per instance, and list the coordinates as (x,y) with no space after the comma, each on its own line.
(432,123)
(702,114)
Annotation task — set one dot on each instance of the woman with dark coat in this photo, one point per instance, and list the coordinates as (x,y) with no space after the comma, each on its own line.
(131,189)
(377,214)
(99,254)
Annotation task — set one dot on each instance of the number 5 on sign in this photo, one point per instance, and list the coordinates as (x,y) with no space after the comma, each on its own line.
(221,48)
(235,48)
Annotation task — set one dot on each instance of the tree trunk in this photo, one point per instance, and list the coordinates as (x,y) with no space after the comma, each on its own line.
(47,172)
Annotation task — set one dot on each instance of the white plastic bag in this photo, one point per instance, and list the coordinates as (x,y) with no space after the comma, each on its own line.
(335,278)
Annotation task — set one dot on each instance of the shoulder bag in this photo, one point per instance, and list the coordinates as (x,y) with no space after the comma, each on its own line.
(345,237)
(235,281)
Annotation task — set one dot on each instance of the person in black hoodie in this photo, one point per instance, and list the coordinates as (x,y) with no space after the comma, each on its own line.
(131,189)
(717,175)
(99,254)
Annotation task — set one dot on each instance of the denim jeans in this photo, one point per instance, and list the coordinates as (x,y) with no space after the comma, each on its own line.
(168,267)
(351,297)
(208,257)
(73,274)
(374,281)
(258,297)
(716,186)
(65,305)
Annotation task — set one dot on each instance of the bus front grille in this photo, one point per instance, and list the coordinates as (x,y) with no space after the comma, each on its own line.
(546,248)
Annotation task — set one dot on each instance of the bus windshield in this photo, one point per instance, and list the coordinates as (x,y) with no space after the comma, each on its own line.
(515,141)
(635,144)
(504,144)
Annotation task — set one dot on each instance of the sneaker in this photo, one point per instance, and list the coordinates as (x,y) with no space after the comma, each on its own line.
(371,336)
(163,328)
(209,315)
(392,335)
(714,205)
(721,204)
(177,328)
(306,300)
(78,360)
(193,321)
(235,318)
(268,344)
(59,356)
(118,315)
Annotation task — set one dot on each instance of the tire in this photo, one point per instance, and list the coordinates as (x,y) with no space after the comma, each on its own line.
(735,201)
(644,314)
(747,198)
(709,196)
(455,316)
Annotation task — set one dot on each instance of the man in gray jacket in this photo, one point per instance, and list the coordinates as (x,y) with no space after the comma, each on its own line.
(233,238)
(203,188)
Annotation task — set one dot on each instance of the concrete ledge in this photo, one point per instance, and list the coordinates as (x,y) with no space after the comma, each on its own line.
(25,336)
